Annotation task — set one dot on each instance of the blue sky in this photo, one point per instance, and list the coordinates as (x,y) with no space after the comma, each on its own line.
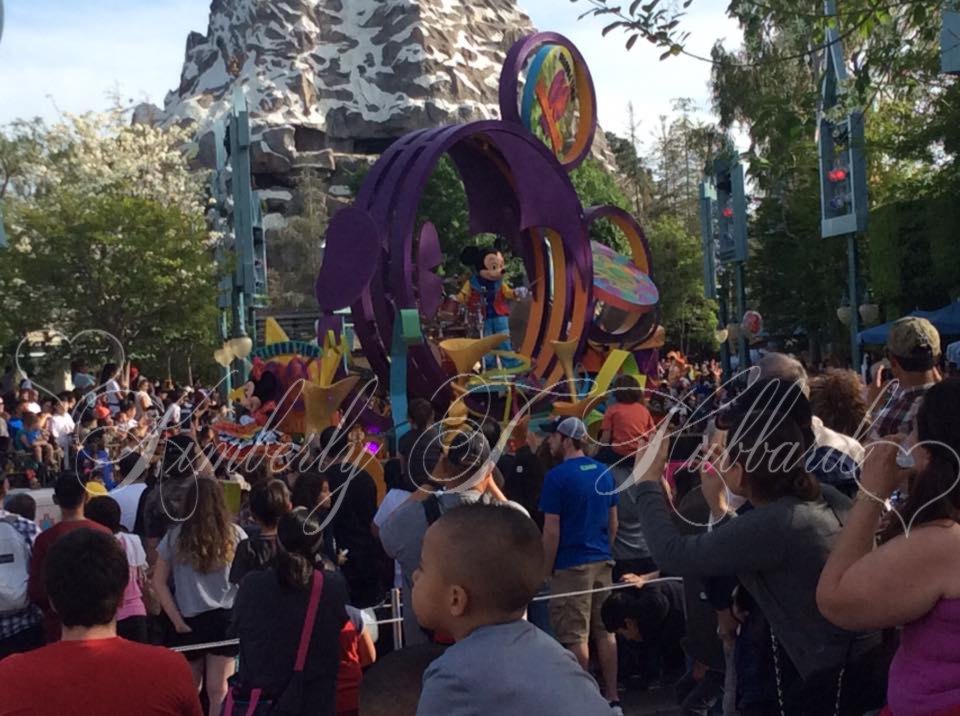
(70,55)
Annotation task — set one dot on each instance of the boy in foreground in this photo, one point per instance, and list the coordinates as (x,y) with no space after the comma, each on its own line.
(480,567)
(91,671)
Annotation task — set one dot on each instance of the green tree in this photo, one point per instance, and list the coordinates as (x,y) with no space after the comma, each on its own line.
(294,259)
(636,177)
(689,319)
(106,231)
(597,187)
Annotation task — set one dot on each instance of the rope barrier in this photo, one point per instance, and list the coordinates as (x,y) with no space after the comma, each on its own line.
(612,587)
(399,620)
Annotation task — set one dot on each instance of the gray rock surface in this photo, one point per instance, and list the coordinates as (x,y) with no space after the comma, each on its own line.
(344,75)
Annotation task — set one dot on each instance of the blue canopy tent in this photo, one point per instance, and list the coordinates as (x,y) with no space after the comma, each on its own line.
(946,320)
(878,334)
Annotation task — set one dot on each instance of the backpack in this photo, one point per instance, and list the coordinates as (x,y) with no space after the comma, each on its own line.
(14,567)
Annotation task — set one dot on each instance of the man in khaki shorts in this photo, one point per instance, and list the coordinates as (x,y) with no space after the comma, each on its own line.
(580,522)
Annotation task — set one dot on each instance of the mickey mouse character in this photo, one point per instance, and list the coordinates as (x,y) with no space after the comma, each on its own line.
(487,290)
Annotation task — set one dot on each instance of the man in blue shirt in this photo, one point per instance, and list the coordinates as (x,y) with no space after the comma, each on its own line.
(579,506)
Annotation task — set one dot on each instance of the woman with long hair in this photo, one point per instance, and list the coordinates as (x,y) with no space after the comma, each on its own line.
(269,615)
(777,550)
(913,578)
(198,553)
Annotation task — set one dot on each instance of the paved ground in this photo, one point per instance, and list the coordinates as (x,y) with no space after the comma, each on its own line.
(647,703)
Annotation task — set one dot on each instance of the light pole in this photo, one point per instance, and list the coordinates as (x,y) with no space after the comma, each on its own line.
(711,268)
(732,233)
(3,233)
(241,254)
(843,171)
(950,38)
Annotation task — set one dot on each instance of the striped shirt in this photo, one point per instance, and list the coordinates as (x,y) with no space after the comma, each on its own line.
(15,622)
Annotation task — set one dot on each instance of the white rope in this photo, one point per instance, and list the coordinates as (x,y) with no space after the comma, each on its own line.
(618,585)
(207,645)
(235,642)
(397,620)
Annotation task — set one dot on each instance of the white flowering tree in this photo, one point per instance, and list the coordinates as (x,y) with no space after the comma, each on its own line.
(106,230)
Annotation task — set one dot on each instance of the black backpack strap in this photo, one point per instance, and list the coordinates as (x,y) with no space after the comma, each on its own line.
(431,507)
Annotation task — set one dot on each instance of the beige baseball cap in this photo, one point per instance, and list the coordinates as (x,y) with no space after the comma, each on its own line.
(911,336)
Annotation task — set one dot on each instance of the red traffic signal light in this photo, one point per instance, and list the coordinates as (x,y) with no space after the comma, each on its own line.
(837,175)
(727,213)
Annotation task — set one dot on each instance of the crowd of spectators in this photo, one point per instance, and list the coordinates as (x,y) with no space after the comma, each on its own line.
(737,545)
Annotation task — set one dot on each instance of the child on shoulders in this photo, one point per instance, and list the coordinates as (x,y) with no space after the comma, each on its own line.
(626,422)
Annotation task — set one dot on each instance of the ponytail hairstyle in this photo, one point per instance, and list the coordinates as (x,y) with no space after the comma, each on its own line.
(772,450)
(938,429)
(301,538)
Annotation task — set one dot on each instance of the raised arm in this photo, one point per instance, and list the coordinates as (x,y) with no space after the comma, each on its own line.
(866,588)
(750,543)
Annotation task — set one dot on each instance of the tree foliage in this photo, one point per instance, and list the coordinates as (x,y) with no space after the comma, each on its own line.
(688,317)
(294,255)
(107,231)
(772,87)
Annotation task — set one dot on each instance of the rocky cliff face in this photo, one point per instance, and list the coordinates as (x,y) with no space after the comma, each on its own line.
(342,77)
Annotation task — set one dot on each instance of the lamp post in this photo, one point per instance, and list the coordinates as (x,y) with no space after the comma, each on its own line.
(950,38)
(843,169)
(241,254)
(869,311)
(732,234)
(714,282)
(3,233)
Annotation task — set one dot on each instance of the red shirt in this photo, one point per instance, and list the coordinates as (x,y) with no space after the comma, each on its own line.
(350,673)
(37,587)
(627,422)
(98,677)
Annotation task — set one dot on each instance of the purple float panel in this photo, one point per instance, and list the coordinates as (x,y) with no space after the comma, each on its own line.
(429,258)
(350,259)
(514,184)
(373,313)
(647,362)
(544,193)
(491,201)
(509,93)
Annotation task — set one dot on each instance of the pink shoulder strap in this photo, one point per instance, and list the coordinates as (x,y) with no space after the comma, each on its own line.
(308,622)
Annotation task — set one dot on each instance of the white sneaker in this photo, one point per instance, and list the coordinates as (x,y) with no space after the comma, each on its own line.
(616,709)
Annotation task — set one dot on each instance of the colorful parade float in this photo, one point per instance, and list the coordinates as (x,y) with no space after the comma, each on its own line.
(591,312)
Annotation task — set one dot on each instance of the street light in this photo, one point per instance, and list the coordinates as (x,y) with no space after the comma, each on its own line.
(869,311)
(845,313)
(241,346)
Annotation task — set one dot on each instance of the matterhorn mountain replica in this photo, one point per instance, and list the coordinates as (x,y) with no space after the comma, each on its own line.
(331,83)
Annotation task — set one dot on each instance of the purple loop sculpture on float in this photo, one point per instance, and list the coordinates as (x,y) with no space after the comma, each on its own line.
(380,259)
